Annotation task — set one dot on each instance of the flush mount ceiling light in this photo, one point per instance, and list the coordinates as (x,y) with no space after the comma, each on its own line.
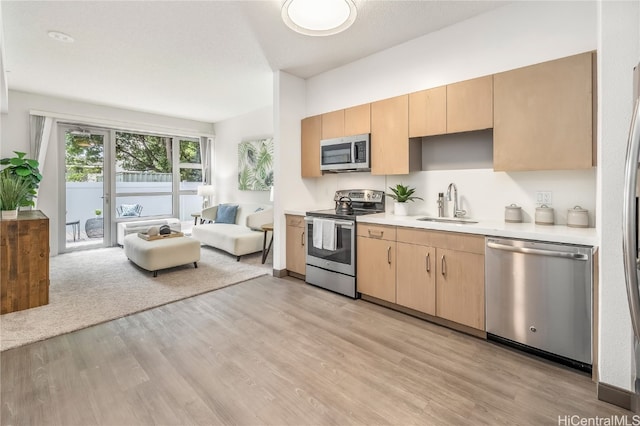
(319,17)
(58,36)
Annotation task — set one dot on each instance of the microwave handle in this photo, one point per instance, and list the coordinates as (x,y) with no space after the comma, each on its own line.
(354,155)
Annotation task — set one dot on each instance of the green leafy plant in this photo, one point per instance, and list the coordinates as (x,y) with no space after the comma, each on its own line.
(13,190)
(98,212)
(24,169)
(402,193)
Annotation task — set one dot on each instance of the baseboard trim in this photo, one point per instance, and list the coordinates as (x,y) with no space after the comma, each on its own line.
(443,322)
(279,273)
(616,396)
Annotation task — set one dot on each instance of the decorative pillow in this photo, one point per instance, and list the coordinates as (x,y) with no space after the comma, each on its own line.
(226,213)
(129,209)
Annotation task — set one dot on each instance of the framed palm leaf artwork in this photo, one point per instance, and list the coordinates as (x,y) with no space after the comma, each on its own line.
(255,165)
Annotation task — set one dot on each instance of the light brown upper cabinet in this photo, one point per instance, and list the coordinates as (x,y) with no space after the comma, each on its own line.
(310,149)
(470,105)
(333,124)
(346,122)
(357,120)
(391,151)
(428,112)
(544,116)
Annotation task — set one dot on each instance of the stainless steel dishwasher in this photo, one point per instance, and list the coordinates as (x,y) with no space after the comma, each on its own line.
(539,298)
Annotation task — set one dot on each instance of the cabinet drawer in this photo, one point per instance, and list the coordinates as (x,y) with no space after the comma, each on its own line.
(443,239)
(293,220)
(380,232)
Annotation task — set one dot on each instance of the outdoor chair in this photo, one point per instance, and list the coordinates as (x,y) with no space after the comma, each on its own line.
(129,210)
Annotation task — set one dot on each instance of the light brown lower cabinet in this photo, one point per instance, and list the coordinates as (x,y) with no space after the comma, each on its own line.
(296,250)
(460,287)
(376,262)
(416,277)
(436,273)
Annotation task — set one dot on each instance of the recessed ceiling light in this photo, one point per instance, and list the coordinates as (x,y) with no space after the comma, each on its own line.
(57,35)
(319,17)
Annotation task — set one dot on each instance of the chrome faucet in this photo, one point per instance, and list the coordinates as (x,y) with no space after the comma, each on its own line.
(456,212)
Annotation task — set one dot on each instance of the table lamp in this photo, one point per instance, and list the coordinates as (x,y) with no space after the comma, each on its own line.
(206,191)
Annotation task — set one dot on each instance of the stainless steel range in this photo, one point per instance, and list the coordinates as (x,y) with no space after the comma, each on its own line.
(331,239)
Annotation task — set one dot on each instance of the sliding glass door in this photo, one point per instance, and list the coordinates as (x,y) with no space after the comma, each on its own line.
(113,176)
(85,188)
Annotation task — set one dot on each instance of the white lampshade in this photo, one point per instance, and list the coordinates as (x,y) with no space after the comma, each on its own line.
(206,190)
(271,195)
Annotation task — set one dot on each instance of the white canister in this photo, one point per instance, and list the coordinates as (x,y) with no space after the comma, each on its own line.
(578,217)
(513,213)
(544,215)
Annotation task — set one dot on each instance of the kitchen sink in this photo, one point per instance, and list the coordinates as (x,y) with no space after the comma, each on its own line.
(447,220)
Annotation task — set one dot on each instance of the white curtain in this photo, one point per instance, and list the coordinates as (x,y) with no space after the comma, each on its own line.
(40,134)
(205,153)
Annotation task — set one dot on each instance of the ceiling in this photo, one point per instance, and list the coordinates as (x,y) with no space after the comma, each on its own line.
(201,60)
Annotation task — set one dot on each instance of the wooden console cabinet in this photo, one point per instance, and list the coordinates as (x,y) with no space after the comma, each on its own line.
(24,261)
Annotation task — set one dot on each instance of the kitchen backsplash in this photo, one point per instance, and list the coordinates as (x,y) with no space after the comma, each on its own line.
(483,193)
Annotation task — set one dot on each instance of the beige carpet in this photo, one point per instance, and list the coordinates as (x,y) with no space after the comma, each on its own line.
(94,286)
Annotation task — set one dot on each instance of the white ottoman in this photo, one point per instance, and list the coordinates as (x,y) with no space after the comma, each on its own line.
(162,253)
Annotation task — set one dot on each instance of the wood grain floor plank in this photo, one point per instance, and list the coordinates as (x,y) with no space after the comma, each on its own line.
(279,352)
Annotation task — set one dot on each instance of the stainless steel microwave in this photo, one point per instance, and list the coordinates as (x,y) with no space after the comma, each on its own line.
(347,154)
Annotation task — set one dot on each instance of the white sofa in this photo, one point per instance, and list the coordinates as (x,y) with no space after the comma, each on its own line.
(240,238)
(126,228)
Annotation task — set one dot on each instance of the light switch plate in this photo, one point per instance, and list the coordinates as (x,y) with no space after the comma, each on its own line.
(543,197)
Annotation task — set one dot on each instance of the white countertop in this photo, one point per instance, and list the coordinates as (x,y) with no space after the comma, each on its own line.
(527,231)
(296,212)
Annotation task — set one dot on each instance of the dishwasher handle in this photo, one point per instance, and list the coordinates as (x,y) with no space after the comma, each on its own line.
(540,252)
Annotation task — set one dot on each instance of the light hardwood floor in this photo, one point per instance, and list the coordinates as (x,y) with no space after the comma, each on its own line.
(278,351)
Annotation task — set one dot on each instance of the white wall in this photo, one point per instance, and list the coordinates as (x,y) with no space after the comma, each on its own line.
(291,191)
(15,136)
(229,133)
(515,35)
(506,38)
(619,51)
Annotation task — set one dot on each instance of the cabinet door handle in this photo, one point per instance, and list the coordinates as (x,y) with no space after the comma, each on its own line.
(389,255)
(375,234)
(443,264)
(302,239)
(428,262)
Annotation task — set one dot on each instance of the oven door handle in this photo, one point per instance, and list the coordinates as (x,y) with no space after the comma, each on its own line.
(343,223)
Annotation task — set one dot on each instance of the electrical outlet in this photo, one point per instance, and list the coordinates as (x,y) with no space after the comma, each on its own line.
(543,197)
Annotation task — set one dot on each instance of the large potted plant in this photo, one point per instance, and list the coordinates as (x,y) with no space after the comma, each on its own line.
(13,190)
(24,169)
(401,194)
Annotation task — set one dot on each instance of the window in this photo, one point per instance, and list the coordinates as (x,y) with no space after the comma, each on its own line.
(145,166)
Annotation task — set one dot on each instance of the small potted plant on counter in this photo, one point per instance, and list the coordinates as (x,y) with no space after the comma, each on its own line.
(13,192)
(401,194)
